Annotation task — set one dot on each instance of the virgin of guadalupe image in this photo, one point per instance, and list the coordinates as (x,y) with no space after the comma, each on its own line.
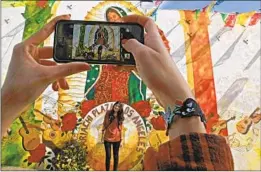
(130,89)
(98,42)
(101,36)
(104,42)
(101,40)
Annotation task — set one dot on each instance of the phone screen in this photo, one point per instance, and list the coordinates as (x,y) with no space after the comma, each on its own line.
(95,42)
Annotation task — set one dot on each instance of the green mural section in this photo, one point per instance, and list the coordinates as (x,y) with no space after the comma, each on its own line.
(91,78)
(137,89)
(13,153)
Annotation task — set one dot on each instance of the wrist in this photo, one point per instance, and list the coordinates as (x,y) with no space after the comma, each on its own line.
(173,92)
(181,126)
(185,117)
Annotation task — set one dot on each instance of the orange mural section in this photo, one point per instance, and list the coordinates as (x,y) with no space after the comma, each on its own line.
(112,85)
(201,62)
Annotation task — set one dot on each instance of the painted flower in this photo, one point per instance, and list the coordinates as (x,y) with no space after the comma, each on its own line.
(143,108)
(37,154)
(69,122)
(158,123)
(86,106)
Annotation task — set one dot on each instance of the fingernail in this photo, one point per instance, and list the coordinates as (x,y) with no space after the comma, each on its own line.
(67,86)
(124,41)
(87,66)
(55,87)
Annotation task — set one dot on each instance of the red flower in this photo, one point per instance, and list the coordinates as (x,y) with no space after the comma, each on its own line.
(37,154)
(158,123)
(143,108)
(69,121)
(41,3)
(86,106)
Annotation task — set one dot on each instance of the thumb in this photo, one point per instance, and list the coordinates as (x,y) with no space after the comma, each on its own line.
(133,46)
(64,70)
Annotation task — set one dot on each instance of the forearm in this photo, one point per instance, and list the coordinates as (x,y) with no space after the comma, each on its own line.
(179,90)
(10,109)
(175,88)
(185,126)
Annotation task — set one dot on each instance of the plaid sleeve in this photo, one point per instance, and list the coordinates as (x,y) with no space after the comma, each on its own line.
(194,151)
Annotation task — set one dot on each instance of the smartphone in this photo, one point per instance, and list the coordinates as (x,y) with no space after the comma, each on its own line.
(94,42)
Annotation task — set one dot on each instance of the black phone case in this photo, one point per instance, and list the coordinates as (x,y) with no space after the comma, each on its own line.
(94,61)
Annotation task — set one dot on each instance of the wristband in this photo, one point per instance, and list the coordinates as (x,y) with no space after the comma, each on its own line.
(186,109)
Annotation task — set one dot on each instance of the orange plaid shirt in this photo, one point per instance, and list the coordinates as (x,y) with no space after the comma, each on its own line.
(193,151)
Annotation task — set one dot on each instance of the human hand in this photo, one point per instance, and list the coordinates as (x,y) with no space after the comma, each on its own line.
(154,64)
(102,137)
(30,72)
(121,145)
(161,74)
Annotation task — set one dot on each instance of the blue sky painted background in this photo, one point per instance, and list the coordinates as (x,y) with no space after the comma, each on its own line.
(225,6)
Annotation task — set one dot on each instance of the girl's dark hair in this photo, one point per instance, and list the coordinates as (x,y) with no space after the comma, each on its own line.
(119,113)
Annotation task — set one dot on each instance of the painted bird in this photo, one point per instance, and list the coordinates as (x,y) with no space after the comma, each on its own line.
(69,7)
(245,41)
(7,21)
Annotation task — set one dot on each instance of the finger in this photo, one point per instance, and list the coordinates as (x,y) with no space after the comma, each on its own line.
(61,71)
(45,52)
(44,33)
(47,62)
(140,52)
(55,86)
(133,46)
(144,21)
(63,84)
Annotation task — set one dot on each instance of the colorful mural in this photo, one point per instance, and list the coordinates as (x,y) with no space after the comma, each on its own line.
(216,53)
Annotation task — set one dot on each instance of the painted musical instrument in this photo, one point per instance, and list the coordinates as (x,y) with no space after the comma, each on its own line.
(30,136)
(55,124)
(244,125)
(222,124)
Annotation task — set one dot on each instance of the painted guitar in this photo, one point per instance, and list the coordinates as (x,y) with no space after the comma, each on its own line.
(256,118)
(220,125)
(30,136)
(55,124)
(244,125)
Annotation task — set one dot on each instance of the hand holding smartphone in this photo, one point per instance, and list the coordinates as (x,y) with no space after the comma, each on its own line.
(95,42)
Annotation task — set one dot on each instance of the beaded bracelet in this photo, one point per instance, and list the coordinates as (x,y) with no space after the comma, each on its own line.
(186,109)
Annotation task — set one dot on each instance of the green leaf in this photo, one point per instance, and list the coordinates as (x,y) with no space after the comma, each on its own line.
(157,107)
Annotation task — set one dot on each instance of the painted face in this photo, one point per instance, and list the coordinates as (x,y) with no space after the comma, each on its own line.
(116,107)
(113,16)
